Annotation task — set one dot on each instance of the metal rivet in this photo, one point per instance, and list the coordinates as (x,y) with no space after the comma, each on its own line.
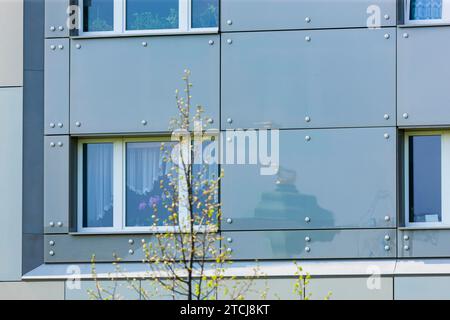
(78,124)
(52,28)
(60,224)
(229,139)
(51,224)
(60,47)
(307,119)
(131,241)
(307,219)
(406,237)
(52,253)
(405,116)
(144,122)
(308,19)
(78,46)
(229,22)
(210,120)
(229,220)
(144,44)
(387,36)
(61,28)
(387,17)
(387,248)
(230,121)
(229,250)
(229,41)
(52,144)
(308,39)
(131,251)
(60,125)
(307,249)
(406,248)
(308,138)
(229,240)
(386,117)
(53,47)
(51,243)
(386,136)
(387,237)
(278,182)
(52,125)
(307,239)
(405,35)
(211,42)
(142,241)
(387,218)
(60,144)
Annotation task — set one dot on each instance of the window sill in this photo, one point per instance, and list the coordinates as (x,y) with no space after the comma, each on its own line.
(418,228)
(146,34)
(425,24)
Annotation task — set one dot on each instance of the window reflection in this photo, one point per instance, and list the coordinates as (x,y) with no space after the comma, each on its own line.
(205,13)
(425,179)
(98,15)
(98,185)
(152,14)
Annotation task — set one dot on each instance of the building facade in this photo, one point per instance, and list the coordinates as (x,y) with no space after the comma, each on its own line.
(356,91)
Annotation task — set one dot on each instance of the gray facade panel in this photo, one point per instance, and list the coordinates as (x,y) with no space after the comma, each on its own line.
(239,15)
(56,18)
(123,86)
(314,244)
(56,184)
(340,178)
(423,95)
(309,79)
(432,243)
(57,86)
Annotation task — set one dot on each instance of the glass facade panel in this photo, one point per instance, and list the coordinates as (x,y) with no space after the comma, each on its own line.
(425,179)
(98,15)
(426,9)
(98,185)
(152,14)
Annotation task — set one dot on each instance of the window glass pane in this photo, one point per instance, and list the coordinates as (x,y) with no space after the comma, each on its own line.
(426,9)
(205,13)
(98,15)
(146,168)
(152,14)
(98,185)
(425,179)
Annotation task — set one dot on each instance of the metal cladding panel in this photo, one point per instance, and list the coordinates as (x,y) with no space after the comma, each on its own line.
(432,243)
(322,244)
(128,85)
(70,248)
(340,178)
(56,92)
(309,79)
(56,184)
(239,15)
(56,18)
(423,95)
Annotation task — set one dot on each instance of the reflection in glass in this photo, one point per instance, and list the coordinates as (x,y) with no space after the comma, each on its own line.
(145,170)
(426,9)
(98,185)
(205,13)
(152,14)
(98,15)
(425,179)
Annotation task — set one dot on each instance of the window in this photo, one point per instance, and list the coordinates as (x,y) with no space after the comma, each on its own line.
(121,185)
(427,176)
(102,17)
(427,11)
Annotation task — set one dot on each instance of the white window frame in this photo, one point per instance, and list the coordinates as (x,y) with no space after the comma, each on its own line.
(120,14)
(119,188)
(445,14)
(445,178)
